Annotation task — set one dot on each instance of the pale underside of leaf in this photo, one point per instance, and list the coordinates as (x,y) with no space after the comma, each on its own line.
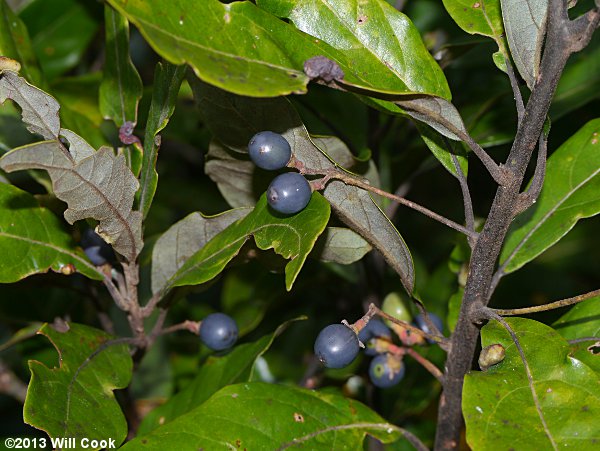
(39,110)
(525,25)
(184,239)
(100,186)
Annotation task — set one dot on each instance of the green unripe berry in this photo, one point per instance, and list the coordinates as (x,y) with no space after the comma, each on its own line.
(394,305)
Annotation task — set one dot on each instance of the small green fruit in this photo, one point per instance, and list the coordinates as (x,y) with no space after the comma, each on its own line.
(394,305)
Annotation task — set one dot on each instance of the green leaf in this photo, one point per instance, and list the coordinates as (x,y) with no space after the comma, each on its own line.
(558,407)
(481,17)
(235,119)
(265,416)
(184,239)
(99,186)
(439,148)
(293,237)
(571,191)
(167,81)
(525,25)
(121,87)
(32,240)
(583,321)
(60,34)
(38,109)
(15,43)
(242,48)
(340,245)
(76,399)
(214,374)
(384,42)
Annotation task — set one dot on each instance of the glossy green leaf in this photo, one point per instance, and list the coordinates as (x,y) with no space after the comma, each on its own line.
(184,239)
(383,40)
(582,321)
(61,34)
(235,119)
(121,87)
(293,237)
(167,81)
(244,49)
(15,43)
(525,25)
(482,17)
(32,240)
(439,147)
(256,415)
(216,372)
(571,192)
(99,186)
(558,406)
(76,399)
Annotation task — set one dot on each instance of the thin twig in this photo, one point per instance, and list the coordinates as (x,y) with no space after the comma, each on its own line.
(583,340)
(546,307)
(337,174)
(466,194)
(434,370)
(190,326)
(374,310)
(529,197)
(514,84)
(151,304)
(115,293)
(11,385)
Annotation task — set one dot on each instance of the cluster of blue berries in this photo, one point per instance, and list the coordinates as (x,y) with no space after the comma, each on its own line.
(288,193)
(337,345)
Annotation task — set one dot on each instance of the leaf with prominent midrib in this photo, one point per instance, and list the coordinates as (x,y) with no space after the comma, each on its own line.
(167,81)
(121,87)
(525,25)
(235,119)
(379,40)
(477,17)
(558,408)
(256,416)
(244,49)
(571,192)
(100,186)
(38,109)
(76,399)
(214,374)
(292,237)
(32,240)
(184,239)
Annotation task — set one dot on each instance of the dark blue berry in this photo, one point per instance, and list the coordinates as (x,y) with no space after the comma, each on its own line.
(97,250)
(421,324)
(374,329)
(289,193)
(269,150)
(386,371)
(336,346)
(218,331)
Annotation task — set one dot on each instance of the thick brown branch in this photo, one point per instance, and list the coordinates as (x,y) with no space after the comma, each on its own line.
(478,288)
